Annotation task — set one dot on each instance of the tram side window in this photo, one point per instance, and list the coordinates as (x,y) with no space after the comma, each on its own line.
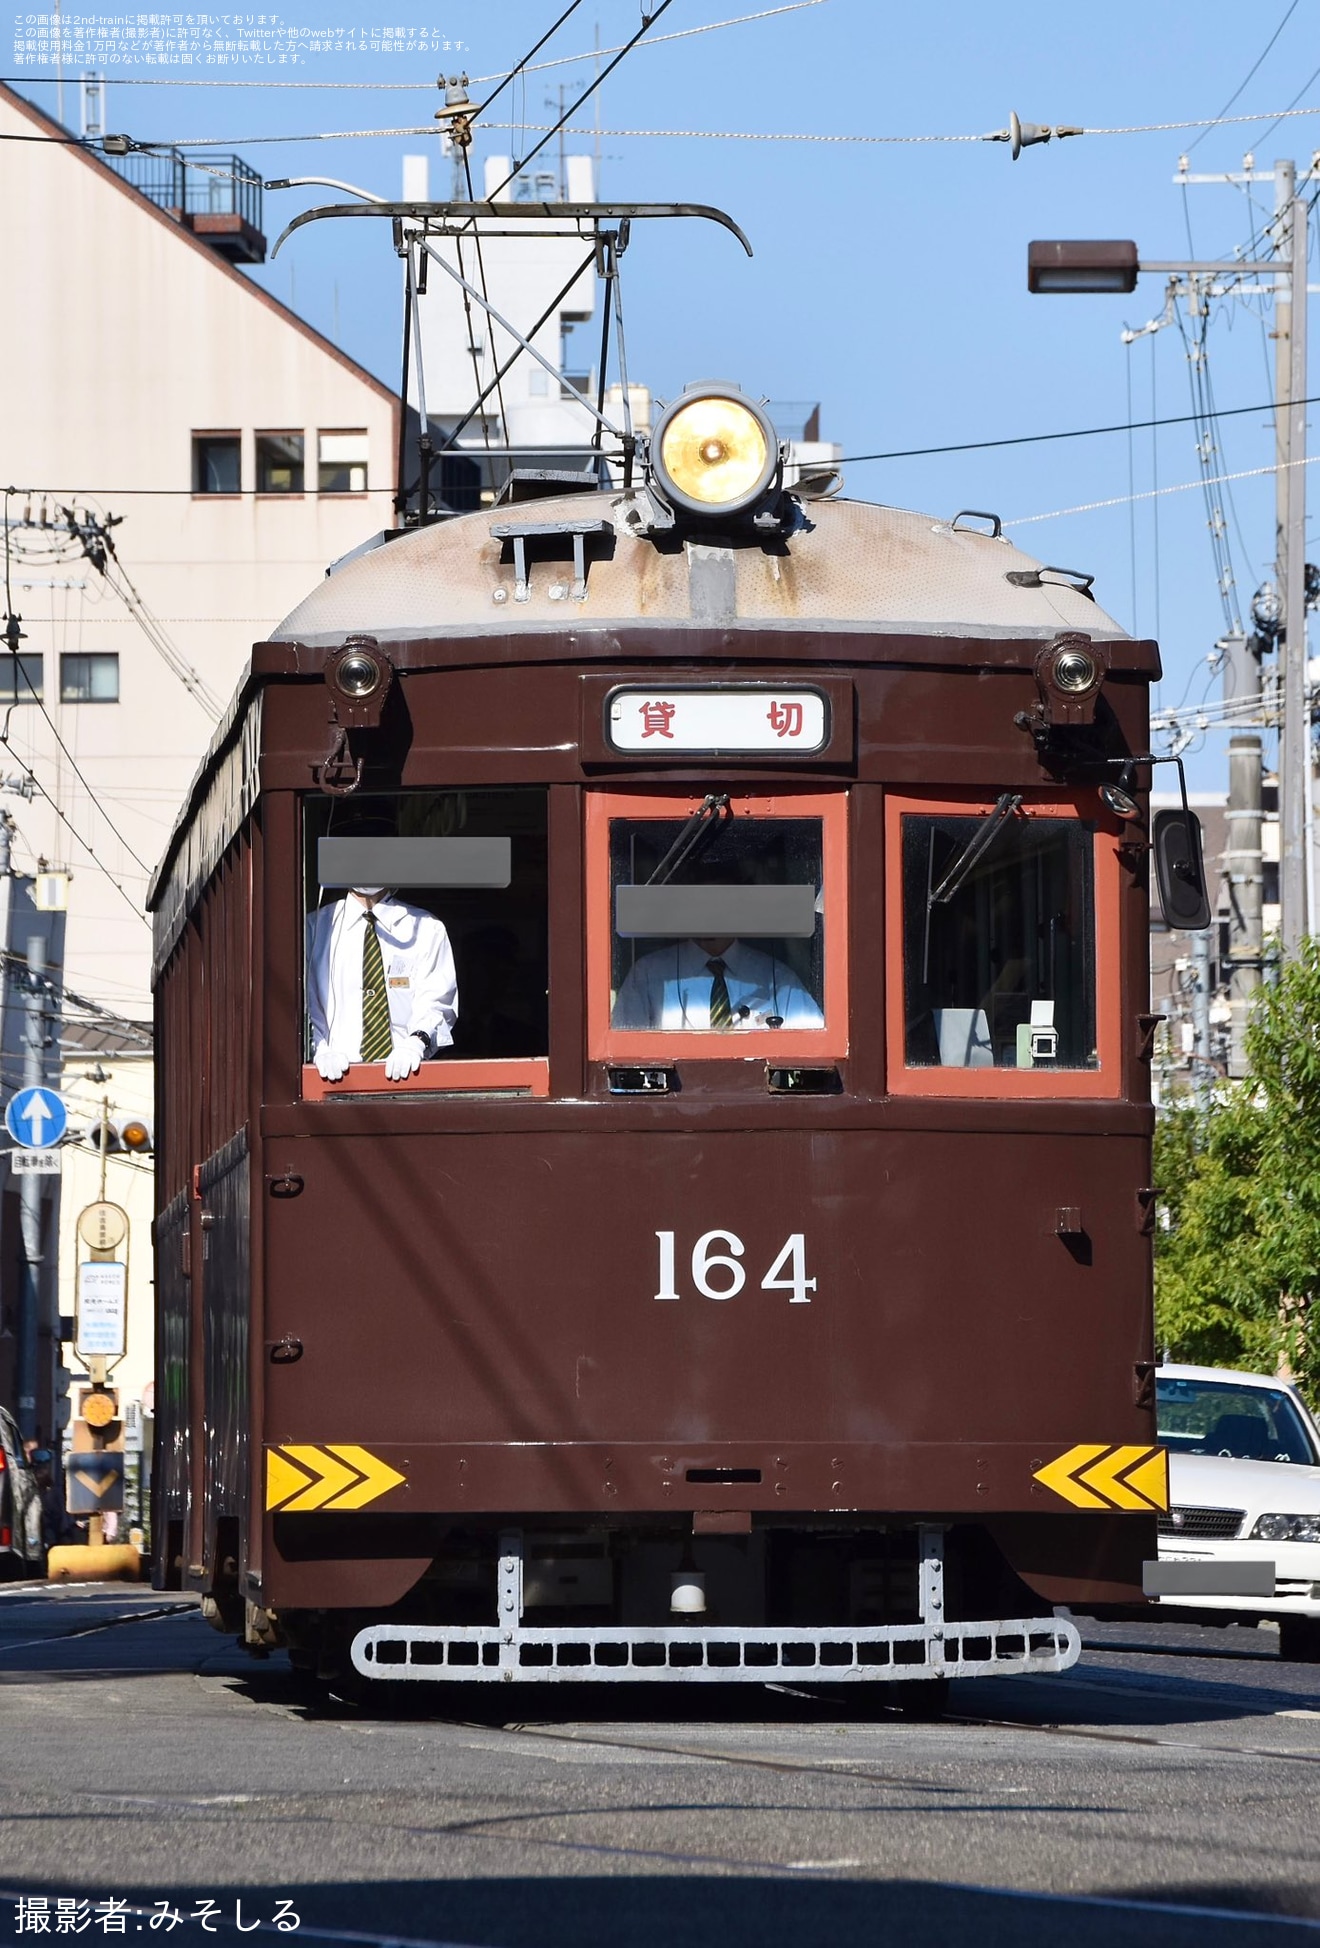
(999,942)
(473,860)
(718,924)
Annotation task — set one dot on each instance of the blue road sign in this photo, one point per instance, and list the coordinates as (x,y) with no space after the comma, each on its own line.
(36,1118)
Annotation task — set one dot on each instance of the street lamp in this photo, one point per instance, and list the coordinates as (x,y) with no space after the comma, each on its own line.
(1063,267)
(1056,266)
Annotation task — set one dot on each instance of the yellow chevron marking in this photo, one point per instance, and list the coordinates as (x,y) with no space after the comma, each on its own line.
(96,1484)
(1061,1475)
(1103,1477)
(1151,1478)
(378,1475)
(333,1476)
(282,1479)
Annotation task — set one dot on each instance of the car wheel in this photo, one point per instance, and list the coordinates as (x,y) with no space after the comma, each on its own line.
(1299,1640)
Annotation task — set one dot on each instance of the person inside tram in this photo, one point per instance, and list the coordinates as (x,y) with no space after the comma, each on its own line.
(715,983)
(381,985)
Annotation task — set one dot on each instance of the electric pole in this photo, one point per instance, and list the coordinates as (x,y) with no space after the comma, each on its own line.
(1290,567)
(30,1320)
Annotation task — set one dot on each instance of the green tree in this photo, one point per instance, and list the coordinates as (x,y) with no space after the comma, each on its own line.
(1237,1247)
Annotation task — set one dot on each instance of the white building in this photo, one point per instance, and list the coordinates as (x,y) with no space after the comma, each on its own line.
(145,378)
(462,348)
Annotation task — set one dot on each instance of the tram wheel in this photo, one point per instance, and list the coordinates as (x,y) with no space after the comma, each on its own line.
(1299,1640)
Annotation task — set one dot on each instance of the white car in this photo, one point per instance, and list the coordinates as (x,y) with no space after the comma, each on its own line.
(1244,1493)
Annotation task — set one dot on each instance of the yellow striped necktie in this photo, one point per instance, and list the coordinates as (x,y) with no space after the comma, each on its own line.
(377,1040)
(721,1014)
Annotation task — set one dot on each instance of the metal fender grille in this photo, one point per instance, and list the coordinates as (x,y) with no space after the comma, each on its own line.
(1206,1524)
(466,1653)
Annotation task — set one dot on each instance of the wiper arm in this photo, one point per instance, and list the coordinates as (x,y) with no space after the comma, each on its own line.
(976,848)
(713,812)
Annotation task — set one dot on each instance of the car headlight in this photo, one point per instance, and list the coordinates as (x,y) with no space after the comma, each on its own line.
(1288,1528)
(714,451)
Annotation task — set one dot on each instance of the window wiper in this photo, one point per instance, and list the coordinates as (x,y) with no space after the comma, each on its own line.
(713,812)
(976,848)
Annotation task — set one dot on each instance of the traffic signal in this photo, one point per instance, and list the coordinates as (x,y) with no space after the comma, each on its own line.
(131,1134)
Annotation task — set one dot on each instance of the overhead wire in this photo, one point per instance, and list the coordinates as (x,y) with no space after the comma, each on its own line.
(846,460)
(1156,493)
(94,143)
(1256,64)
(1290,109)
(37,698)
(601,76)
(86,845)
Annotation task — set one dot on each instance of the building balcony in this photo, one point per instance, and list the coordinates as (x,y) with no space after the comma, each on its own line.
(217,197)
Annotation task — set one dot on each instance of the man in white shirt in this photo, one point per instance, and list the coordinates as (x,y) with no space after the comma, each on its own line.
(713,985)
(380,984)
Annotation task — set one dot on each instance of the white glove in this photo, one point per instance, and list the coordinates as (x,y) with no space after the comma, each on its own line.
(405,1059)
(330,1066)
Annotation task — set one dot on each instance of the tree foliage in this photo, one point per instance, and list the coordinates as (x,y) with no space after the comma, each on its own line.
(1237,1252)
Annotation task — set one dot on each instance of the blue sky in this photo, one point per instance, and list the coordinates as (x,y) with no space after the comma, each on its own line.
(889,279)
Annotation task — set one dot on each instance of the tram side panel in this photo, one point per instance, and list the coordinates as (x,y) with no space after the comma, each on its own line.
(206,995)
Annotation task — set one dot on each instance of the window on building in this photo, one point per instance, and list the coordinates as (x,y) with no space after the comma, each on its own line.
(90,677)
(279,463)
(342,463)
(20,679)
(217,461)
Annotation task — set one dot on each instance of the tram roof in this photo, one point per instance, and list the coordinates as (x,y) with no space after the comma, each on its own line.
(850,566)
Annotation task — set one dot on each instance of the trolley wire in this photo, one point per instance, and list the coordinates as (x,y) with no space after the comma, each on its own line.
(648,21)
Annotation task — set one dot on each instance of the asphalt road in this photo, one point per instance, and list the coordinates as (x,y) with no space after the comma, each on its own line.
(1166,1791)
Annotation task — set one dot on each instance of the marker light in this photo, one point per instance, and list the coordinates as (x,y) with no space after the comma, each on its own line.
(1075,672)
(358,674)
(714,452)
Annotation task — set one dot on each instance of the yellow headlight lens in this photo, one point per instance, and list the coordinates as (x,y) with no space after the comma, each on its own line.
(714,451)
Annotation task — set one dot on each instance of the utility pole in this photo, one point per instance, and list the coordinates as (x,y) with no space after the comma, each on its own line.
(34,1007)
(1290,569)
(1202,1065)
(1243,865)
(1113,265)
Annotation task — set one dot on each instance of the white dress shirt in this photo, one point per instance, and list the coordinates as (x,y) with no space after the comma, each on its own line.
(419,974)
(670,989)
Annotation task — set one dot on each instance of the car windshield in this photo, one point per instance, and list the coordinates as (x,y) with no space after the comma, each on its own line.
(1245,1423)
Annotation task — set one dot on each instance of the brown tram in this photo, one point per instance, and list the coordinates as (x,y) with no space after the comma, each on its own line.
(642,1330)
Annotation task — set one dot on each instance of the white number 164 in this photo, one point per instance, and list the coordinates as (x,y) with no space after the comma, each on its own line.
(718,1272)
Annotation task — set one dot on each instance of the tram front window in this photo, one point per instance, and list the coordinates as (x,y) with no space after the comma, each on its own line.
(999,941)
(454,883)
(718,923)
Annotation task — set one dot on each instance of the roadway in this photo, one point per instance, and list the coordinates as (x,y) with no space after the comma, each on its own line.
(1166,1791)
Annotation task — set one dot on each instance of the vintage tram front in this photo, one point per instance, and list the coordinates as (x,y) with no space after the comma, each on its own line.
(749,1271)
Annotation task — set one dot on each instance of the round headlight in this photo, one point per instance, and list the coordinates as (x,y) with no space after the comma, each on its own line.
(358,675)
(714,452)
(1276,1528)
(1075,672)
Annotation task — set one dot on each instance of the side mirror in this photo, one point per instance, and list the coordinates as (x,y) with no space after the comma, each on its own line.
(1180,870)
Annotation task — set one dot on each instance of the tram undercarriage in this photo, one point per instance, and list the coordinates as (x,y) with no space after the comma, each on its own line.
(900,1603)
